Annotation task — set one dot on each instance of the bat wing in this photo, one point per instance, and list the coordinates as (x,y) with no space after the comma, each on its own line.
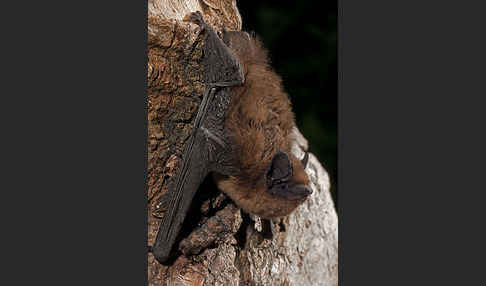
(180,194)
(207,148)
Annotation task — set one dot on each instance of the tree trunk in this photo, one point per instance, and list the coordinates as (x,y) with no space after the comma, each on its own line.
(229,246)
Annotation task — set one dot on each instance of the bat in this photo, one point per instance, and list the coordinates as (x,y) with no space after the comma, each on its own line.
(242,136)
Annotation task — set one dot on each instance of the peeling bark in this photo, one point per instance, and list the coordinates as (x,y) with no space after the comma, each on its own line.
(224,246)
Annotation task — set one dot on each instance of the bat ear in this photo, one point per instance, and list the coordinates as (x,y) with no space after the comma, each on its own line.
(305,160)
(280,169)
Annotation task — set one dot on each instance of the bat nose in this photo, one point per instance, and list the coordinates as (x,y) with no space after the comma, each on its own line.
(307,190)
(302,192)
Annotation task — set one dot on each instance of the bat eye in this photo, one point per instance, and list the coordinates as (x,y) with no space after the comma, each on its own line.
(280,170)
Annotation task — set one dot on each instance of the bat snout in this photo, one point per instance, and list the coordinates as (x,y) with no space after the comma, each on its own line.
(302,191)
(291,192)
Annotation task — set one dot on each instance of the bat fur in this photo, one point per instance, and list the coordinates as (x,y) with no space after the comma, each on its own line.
(242,136)
(259,123)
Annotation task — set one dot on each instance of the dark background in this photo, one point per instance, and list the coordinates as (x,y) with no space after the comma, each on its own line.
(302,44)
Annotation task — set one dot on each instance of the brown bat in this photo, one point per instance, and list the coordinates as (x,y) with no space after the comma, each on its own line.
(242,135)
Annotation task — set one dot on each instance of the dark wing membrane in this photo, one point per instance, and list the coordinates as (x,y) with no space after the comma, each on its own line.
(193,171)
(202,152)
(195,167)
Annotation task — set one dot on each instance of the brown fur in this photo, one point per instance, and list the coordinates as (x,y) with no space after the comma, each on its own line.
(260,123)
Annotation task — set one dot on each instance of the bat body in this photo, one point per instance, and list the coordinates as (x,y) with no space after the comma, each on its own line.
(242,135)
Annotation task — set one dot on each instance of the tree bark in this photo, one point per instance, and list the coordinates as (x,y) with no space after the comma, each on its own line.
(226,246)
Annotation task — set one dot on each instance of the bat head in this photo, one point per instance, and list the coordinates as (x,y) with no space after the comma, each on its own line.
(284,186)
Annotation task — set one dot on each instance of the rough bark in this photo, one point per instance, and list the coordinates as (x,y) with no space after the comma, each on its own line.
(223,245)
